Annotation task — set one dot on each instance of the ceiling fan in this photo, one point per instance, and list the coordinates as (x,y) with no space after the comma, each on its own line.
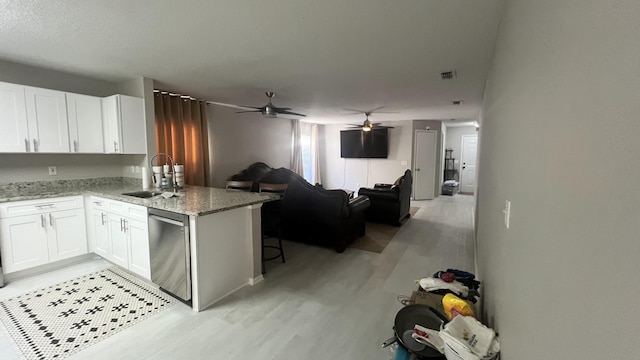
(368,125)
(268,111)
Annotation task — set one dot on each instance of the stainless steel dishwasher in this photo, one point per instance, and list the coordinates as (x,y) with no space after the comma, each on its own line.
(169,250)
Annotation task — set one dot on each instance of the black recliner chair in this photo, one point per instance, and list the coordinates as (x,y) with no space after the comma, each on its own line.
(390,203)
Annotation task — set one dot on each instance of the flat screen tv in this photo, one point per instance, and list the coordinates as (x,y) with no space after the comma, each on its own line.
(360,144)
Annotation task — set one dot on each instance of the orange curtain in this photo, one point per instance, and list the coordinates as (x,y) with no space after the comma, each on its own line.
(181,132)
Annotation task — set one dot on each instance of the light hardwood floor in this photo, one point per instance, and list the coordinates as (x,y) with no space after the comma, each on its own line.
(319,305)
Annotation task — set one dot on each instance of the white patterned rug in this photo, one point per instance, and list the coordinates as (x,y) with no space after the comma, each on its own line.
(57,321)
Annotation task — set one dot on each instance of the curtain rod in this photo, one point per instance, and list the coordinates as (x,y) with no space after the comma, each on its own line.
(162,92)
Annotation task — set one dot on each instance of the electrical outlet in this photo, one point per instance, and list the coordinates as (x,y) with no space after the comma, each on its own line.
(53,171)
(403,163)
(133,169)
(137,169)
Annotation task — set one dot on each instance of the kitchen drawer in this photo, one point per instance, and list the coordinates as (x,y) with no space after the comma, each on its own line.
(39,206)
(131,211)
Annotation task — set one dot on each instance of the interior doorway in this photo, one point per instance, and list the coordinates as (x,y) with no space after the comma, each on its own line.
(425,164)
(468,167)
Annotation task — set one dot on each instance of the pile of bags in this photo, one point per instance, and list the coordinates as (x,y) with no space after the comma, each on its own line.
(453,292)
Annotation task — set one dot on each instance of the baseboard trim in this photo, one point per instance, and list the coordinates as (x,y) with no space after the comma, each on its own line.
(47,267)
(256,280)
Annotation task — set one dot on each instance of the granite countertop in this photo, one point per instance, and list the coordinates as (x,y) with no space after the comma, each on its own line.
(192,200)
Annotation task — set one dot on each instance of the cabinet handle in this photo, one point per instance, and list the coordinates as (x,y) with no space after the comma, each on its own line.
(121,224)
(35,145)
(49,206)
(50,219)
(42,221)
(102,218)
(26,145)
(115,146)
(126,226)
(75,145)
(98,203)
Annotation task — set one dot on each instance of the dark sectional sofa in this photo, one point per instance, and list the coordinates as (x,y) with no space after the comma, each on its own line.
(311,214)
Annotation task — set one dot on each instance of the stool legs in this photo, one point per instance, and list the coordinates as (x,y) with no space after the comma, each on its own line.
(280,249)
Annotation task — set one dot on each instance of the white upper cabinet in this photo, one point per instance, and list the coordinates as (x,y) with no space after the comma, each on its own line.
(124,125)
(85,123)
(47,120)
(14,132)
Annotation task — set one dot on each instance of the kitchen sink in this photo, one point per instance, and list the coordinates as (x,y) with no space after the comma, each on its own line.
(143,194)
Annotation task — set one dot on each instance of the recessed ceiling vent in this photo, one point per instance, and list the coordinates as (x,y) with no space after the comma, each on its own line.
(456,102)
(448,75)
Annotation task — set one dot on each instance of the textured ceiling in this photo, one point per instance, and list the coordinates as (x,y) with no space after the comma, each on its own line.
(318,56)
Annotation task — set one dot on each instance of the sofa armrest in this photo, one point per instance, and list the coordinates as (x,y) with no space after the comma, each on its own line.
(359,203)
(382,186)
(380,194)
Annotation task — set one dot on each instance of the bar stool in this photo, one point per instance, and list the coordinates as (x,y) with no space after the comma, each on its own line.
(239,185)
(271,221)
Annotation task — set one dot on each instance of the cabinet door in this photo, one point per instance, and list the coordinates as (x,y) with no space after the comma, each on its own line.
(118,241)
(100,233)
(23,240)
(67,234)
(47,119)
(139,261)
(133,125)
(111,125)
(85,123)
(14,133)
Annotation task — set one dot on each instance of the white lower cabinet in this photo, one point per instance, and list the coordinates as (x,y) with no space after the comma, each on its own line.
(37,232)
(120,234)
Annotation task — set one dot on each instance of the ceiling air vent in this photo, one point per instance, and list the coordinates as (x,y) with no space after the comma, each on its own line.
(456,102)
(448,75)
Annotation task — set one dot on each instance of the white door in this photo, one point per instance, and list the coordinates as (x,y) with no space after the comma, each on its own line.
(47,119)
(424,175)
(118,241)
(14,133)
(23,240)
(85,123)
(67,234)
(139,260)
(468,167)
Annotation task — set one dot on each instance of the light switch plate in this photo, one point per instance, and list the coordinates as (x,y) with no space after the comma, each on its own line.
(507,213)
(403,163)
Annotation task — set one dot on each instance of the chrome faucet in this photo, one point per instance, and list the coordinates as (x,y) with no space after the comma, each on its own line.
(173,169)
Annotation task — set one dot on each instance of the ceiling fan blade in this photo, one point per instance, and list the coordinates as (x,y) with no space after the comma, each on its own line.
(248,111)
(356,111)
(382,127)
(375,109)
(279,109)
(233,106)
(287,112)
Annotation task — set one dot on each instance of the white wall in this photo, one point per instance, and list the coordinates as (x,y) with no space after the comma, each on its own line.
(454,141)
(352,174)
(33,167)
(238,140)
(559,139)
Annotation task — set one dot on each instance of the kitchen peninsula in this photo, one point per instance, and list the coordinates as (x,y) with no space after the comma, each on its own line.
(224,227)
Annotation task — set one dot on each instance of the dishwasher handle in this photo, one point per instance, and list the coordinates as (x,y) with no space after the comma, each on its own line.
(170,221)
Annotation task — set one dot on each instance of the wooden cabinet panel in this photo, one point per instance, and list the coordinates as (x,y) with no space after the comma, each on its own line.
(47,120)
(14,131)
(85,123)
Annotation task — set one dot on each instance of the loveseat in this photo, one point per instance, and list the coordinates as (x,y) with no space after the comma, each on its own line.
(312,214)
(390,202)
